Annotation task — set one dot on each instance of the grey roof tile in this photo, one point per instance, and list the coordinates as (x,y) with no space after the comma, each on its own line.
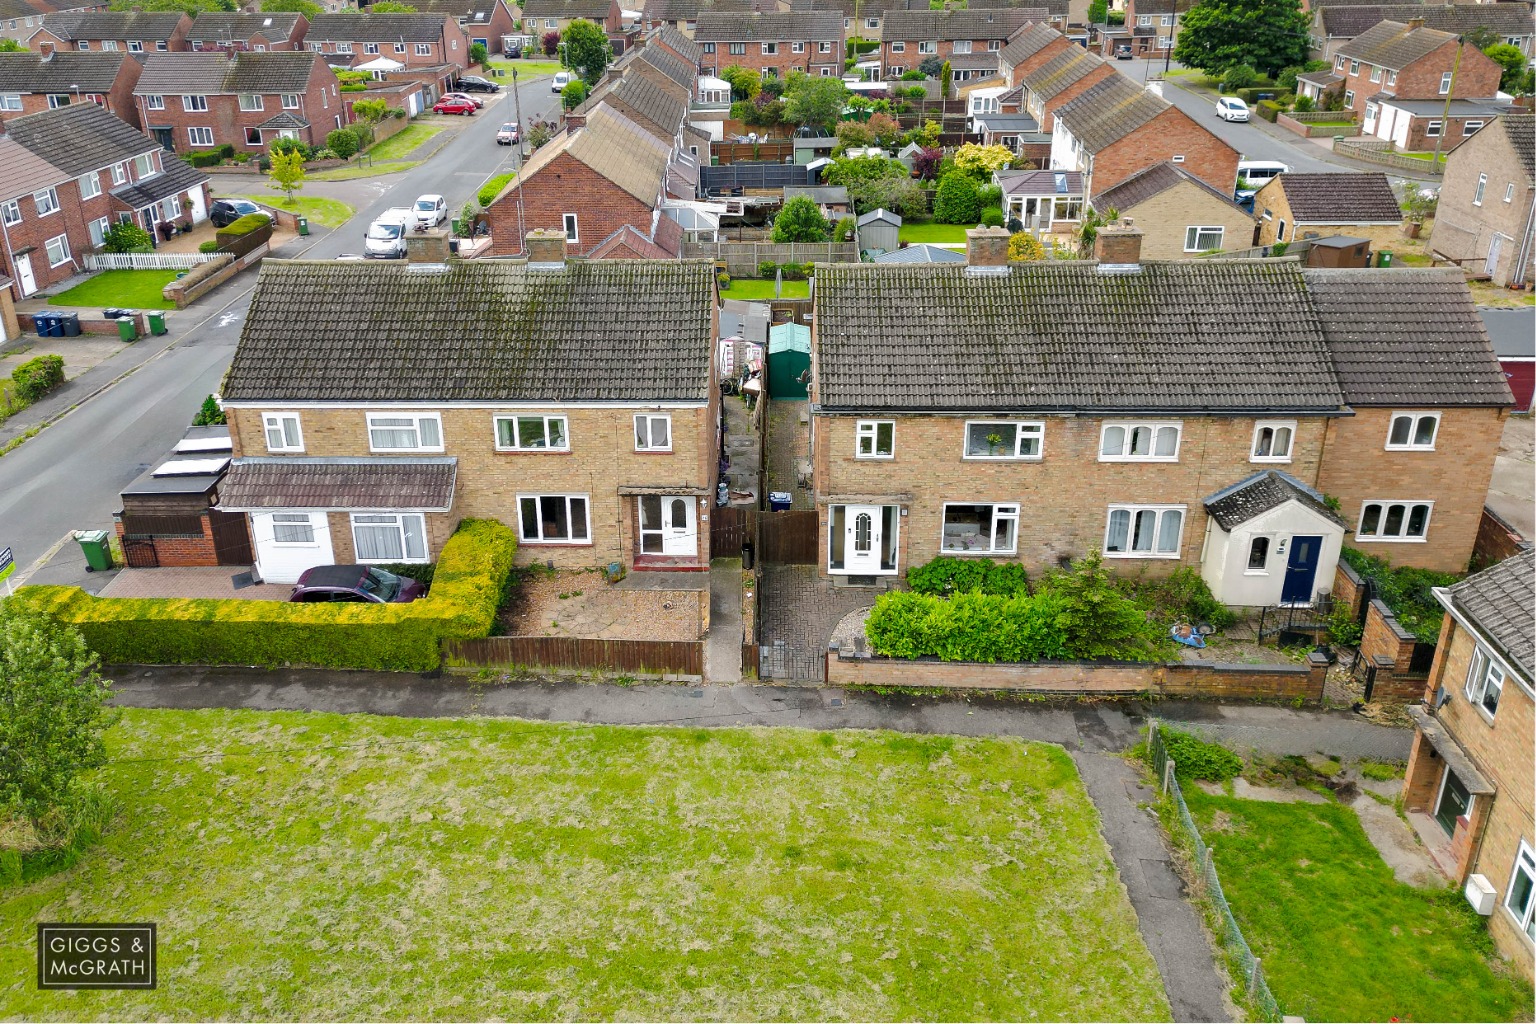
(1108,111)
(1235,505)
(1034,38)
(592,10)
(284,120)
(1520,129)
(376,28)
(644,101)
(23,172)
(371,483)
(485,330)
(660,61)
(1342,197)
(80,137)
(1505,18)
(1153,181)
(1500,601)
(1041,183)
(722,27)
(1392,44)
(921,252)
(226,26)
(178,177)
(675,40)
(212,73)
(986,23)
(1061,72)
(113,24)
(62,71)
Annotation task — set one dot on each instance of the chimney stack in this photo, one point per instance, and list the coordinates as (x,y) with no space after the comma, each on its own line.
(546,248)
(1415,23)
(1117,247)
(46,48)
(986,250)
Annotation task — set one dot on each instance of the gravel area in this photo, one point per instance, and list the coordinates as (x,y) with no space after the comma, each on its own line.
(583,604)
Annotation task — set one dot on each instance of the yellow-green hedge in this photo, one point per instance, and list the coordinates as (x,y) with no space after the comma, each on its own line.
(466,589)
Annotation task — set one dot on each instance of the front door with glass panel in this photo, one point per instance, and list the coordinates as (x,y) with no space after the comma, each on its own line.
(1455,801)
(668,526)
(862,539)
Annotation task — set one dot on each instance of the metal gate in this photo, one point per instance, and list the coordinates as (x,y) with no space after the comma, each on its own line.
(231,537)
(139,553)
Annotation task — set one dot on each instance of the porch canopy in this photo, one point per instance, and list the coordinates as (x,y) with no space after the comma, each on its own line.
(1446,746)
(259,484)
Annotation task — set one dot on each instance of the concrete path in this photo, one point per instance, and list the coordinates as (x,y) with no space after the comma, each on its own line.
(722,648)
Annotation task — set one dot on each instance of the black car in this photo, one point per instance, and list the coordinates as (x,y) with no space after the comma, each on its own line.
(512,52)
(473,83)
(360,583)
(225,212)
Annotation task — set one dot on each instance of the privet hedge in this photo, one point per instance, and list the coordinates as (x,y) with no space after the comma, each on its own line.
(466,589)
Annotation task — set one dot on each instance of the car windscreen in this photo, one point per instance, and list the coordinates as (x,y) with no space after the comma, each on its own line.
(385,232)
(425,205)
(381,584)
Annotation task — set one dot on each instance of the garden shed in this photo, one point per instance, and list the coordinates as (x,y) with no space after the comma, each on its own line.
(789,360)
(880,231)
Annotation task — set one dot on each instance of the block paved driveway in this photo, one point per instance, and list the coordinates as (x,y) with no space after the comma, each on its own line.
(799,611)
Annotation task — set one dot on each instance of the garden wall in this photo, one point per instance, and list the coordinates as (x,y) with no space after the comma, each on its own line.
(1379,151)
(1298,124)
(186,290)
(1175,679)
(1496,540)
(96,325)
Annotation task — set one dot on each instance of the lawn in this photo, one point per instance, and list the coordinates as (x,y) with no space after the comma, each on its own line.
(356,170)
(134,289)
(753,289)
(930,231)
(330,213)
(1339,936)
(525,68)
(324,867)
(402,142)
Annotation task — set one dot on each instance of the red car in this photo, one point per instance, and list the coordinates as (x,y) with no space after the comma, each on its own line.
(452,106)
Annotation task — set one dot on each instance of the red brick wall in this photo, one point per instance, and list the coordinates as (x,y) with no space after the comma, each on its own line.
(118,100)
(911,58)
(453,48)
(1496,541)
(317,105)
(1420,141)
(1477,77)
(565,185)
(782,63)
(1169,134)
(182,551)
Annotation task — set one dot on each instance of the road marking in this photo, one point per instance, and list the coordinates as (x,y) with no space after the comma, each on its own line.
(47,556)
(228,318)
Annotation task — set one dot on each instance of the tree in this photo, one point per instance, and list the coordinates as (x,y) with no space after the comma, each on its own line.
(814,101)
(391,7)
(927,134)
(305,7)
(53,709)
(11,46)
(982,162)
(745,84)
(1418,203)
(1482,37)
(550,43)
(800,221)
(573,95)
(946,80)
(125,236)
(477,53)
(370,111)
(854,135)
(287,172)
(1099,621)
(931,67)
(584,49)
(1264,34)
(209,414)
(926,163)
(192,7)
(874,182)
(1516,75)
(342,142)
(1098,12)
(1024,247)
(958,200)
(885,128)
(1239,76)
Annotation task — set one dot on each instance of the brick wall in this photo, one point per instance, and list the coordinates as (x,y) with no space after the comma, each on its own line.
(70,220)
(909,57)
(565,185)
(1348,588)
(1165,218)
(182,551)
(1170,134)
(320,104)
(1477,77)
(1496,541)
(812,61)
(1464,229)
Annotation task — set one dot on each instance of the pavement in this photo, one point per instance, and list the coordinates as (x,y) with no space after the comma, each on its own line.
(722,648)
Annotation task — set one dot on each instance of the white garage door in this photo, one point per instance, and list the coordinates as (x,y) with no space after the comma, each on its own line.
(288,542)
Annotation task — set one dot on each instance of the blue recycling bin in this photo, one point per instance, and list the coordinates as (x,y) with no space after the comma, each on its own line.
(47,323)
(780,501)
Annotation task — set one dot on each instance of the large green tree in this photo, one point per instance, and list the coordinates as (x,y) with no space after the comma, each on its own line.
(308,8)
(745,83)
(584,49)
(800,221)
(1267,35)
(815,101)
(1516,78)
(192,7)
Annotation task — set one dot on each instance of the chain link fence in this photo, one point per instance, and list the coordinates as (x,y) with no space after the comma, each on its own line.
(1239,954)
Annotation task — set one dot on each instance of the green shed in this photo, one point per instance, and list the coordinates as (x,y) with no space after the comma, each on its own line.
(789,360)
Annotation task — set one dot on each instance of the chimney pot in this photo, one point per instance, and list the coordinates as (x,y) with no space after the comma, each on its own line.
(1415,23)
(986,247)
(1117,247)
(546,247)
(46,48)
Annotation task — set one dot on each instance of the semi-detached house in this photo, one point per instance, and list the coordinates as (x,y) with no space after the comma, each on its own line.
(33,82)
(419,41)
(907,38)
(247,30)
(772,45)
(1486,217)
(572,401)
(135,32)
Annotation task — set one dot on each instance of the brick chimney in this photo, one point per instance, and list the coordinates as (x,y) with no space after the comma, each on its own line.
(46,49)
(986,250)
(1117,247)
(1415,23)
(546,248)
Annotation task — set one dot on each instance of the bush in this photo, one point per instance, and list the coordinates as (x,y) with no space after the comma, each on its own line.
(226,151)
(343,142)
(958,200)
(286,145)
(206,247)
(38,376)
(209,414)
(767,268)
(477,53)
(1269,110)
(1194,758)
(1305,104)
(1240,77)
(723,280)
(125,236)
(1024,247)
(947,575)
(1344,629)
(992,217)
(492,188)
(845,230)
(469,584)
(1406,591)
(800,220)
(204,159)
(1286,79)
(245,225)
(971,626)
(1182,596)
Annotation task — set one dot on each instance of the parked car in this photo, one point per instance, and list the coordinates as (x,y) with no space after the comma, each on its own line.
(225,212)
(1124,53)
(562,79)
(1253,175)
(507,134)
(1230,108)
(461,106)
(512,51)
(385,239)
(360,583)
(466,97)
(430,211)
(474,83)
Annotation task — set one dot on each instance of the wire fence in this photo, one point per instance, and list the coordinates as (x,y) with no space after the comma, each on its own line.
(1242,956)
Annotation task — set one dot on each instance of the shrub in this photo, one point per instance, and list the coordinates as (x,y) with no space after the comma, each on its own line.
(245,225)
(38,376)
(1305,104)
(492,188)
(1024,247)
(1194,758)
(958,200)
(1344,629)
(286,145)
(948,575)
(800,221)
(477,53)
(1099,620)
(1269,110)
(342,141)
(1183,596)
(723,280)
(992,217)
(208,247)
(970,626)
(1406,591)
(126,236)
(1240,77)
(846,229)
(207,159)
(767,268)
(209,414)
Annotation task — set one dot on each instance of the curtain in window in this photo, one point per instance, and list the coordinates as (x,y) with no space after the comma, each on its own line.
(1168,532)
(1114,441)
(378,538)
(393,432)
(291,528)
(1119,530)
(1167,442)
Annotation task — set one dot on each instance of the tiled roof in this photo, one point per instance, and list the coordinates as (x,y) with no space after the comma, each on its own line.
(1408,336)
(1027,43)
(23,172)
(1221,335)
(470,12)
(19,9)
(1153,181)
(1041,183)
(216,26)
(376,28)
(684,10)
(482,330)
(370,483)
(1499,602)
(1235,505)
(621,151)
(980,60)
(1521,131)
(629,243)
(643,100)
(80,137)
(284,120)
(1392,44)
(592,10)
(1105,113)
(1065,69)
(661,62)
(993,23)
(211,73)
(921,252)
(684,47)
(177,178)
(718,27)
(63,71)
(1341,197)
(1319,78)
(1504,18)
(113,24)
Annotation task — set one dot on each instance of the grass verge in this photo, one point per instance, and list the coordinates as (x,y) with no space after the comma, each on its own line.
(10,402)
(330,213)
(135,289)
(402,142)
(747,288)
(355,170)
(355,866)
(525,69)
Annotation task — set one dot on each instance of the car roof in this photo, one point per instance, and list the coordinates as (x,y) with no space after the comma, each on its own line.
(345,576)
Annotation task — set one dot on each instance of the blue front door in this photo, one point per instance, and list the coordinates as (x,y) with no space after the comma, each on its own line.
(1301,570)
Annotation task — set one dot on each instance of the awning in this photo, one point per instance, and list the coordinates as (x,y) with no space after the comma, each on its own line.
(1450,751)
(417,485)
(283,122)
(380,64)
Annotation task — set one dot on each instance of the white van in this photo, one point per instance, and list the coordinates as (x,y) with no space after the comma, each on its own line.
(562,79)
(1253,175)
(386,236)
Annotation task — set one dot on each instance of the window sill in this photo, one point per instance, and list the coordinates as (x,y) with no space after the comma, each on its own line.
(405,451)
(1140,554)
(1270,459)
(1390,540)
(393,561)
(1407,448)
(1255,572)
(653,451)
(533,451)
(874,458)
(1003,458)
(556,543)
(977,553)
(1138,458)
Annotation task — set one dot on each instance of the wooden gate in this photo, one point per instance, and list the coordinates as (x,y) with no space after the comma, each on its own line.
(788,538)
(231,537)
(729,528)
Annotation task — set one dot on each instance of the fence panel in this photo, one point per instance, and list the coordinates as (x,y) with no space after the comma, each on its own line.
(729,528)
(788,538)
(147,260)
(739,152)
(682,657)
(742,258)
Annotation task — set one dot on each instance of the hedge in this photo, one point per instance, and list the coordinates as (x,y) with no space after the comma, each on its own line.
(38,376)
(467,587)
(1269,110)
(493,186)
(947,575)
(245,225)
(970,626)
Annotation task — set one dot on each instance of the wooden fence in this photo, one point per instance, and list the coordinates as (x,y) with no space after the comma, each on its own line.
(729,528)
(147,260)
(742,258)
(788,538)
(649,657)
(1379,151)
(777,150)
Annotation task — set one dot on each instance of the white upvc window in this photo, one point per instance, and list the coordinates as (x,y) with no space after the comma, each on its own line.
(1394,520)
(370,48)
(1203,239)
(251,101)
(709,47)
(154,102)
(1003,439)
(57,248)
(1144,531)
(993,45)
(405,432)
(283,432)
(532,432)
(1144,21)
(119,173)
(389,537)
(1470,127)
(796,47)
(98,229)
(290,101)
(1413,431)
(1520,897)
(898,47)
(135,46)
(928,46)
(10,212)
(1166,21)
(423,49)
(1482,184)
(144,166)
(293,530)
(1445,82)
(109,45)
(90,185)
(823,47)
(1375,72)
(961,46)
(1354,67)
(1485,682)
(1338,63)
(1272,441)
(984,529)
(1258,557)
(1391,78)
(46,201)
(399,47)
(572,228)
(736,49)
(653,432)
(162,45)
(10,101)
(1140,442)
(194,104)
(770,49)
(343,47)
(202,137)
(1509,192)
(876,439)
(1432,129)
(553,519)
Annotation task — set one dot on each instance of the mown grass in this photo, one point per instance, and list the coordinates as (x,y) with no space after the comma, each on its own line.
(930,231)
(135,289)
(355,170)
(1340,938)
(526,69)
(748,288)
(362,867)
(330,213)
(402,142)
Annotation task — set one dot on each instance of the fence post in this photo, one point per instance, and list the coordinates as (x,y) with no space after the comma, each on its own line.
(1253,979)
(1167,775)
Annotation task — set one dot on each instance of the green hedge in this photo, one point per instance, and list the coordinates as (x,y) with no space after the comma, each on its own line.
(38,376)
(1405,590)
(948,575)
(1269,110)
(245,225)
(467,587)
(967,627)
(493,186)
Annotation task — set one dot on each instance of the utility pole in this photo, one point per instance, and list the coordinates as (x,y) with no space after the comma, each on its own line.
(1445,116)
(517,104)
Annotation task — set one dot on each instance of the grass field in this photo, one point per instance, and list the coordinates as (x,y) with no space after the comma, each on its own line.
(929,231)
(135,289)
(1339,936)
(525,68)
(362,867)
(402,142)
(330,213)
(747,288)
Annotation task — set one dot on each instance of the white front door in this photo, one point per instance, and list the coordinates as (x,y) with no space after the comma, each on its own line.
(668,526)
(24,275)
(861,539)
(288,542)
(1495,246)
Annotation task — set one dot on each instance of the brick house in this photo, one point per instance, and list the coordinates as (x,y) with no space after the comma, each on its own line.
(682,15)
(544,16)
(1033,46)
(1360,205)
(419,41)
(33,82)
(1152,26)
(907,38)
(1179,215)
(1117,128)
(130,31)
(487,22)
(1486,217)
(1072,438)
(578,407)
(1059,81)
(224,31)
(192,101)
(1335,24)
(773,44)
(110,172)
(1469,781)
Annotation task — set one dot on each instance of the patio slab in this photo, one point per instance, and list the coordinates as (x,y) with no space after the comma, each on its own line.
(192,581)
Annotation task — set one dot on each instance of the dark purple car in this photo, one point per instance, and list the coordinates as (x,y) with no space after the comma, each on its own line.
(355,583)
